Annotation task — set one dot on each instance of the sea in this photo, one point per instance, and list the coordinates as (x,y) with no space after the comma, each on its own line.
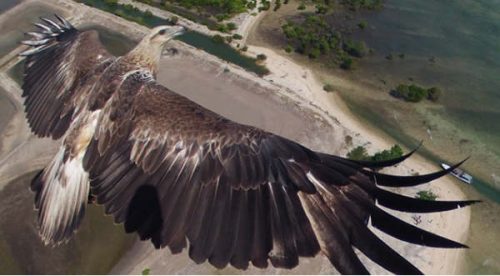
(453,45)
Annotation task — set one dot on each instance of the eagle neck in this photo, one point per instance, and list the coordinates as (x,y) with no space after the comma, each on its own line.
(145,55)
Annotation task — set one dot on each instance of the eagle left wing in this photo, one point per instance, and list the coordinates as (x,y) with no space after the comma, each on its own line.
(60,67)
(176,172)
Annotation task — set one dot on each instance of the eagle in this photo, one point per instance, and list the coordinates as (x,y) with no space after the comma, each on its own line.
(183,176)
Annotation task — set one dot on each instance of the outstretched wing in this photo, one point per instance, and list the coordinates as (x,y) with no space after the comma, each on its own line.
(59,64)
(177,173)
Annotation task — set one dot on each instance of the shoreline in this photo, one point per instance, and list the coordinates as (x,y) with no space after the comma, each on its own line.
(307,96)
(286,72)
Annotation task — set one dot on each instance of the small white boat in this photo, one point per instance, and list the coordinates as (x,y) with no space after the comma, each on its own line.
(459,173)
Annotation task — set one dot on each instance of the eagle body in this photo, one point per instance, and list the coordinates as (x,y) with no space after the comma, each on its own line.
(183,176)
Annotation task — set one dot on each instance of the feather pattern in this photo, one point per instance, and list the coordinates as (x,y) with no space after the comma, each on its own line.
(297,202)
(183,176)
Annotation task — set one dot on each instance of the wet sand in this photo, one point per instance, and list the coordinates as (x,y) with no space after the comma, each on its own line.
(7,111)
(94,250)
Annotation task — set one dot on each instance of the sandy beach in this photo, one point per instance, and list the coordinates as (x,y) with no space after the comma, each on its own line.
(290,102)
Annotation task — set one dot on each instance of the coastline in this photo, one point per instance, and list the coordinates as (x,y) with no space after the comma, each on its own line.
(288,73)
(306,94)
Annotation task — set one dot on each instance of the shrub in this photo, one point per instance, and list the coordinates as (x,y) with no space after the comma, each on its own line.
(355,48)
(433,94)
(237,36)
(261,57)
(288,49)
(328,87)
(302,6)
(174,19)
(426,195)
(321,9)
(277,5)
(410,93)
(358,153)
(245,48)
(218,38)
(362,25)
(231,26)
(347,63)
(314,53)
(395,152)
(416,93)
(266,5)
(222,28)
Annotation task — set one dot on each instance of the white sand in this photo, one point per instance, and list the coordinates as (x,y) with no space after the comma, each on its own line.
(289,101)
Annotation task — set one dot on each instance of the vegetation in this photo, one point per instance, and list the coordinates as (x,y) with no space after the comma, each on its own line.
(205,12)
(362,25)
(220,8)
(347,63)
(328,87)
(237,36)
(360,153)
(426,195)
(218,38)
(174,19)
(394,152)
(146,271)
(261,57)
(355,48)
(356,5)
(302,6)
(414,93)
(212,45)
(434,93)
(315,38)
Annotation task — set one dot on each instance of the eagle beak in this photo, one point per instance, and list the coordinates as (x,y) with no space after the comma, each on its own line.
(178,30)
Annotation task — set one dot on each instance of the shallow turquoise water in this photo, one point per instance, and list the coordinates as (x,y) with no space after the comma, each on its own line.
(454,45)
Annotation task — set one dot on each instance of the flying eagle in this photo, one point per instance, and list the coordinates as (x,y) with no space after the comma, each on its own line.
(181,175)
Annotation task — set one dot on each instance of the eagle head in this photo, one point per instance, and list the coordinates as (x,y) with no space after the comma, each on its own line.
(162,34)
(148,52)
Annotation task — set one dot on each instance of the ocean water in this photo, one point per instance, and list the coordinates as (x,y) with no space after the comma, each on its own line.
(454,45)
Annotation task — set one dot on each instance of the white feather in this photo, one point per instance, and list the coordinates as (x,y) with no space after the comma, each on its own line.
(65,193)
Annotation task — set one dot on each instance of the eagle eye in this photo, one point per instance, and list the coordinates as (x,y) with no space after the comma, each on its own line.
(162,32)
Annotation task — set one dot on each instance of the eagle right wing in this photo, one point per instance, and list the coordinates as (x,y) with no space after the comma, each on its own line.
(61,65)
(175,172)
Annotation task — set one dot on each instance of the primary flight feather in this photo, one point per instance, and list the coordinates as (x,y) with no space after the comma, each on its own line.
(181,175)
